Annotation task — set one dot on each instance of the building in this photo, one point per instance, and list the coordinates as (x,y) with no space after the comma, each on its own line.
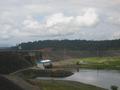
(44,64)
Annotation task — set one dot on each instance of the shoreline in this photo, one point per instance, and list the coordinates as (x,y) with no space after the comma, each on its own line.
(64,84)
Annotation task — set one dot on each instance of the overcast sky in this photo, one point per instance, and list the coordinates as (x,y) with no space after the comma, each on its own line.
(29,20)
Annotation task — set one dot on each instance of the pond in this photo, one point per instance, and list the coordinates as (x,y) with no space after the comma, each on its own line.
(101,78)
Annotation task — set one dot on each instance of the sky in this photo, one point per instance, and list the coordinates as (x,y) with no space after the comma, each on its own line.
(30,20)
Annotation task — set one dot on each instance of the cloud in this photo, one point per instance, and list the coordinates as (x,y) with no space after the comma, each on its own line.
(26,20)
(38,8)
(116,35)
(115,19)
(89,18)
(60,24)
(58,18)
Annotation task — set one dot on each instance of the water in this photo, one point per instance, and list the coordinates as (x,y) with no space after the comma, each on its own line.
(101,78)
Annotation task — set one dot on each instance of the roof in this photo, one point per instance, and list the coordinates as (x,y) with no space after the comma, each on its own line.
(44,61)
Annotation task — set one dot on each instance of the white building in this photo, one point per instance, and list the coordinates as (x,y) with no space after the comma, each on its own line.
(43,64)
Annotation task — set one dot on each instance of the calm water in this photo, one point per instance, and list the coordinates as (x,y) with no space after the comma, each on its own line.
(101,78)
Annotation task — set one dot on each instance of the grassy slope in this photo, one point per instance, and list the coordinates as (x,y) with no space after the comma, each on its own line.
(11,62)
(93,62)
(64,85)
(33,73)
(6,84)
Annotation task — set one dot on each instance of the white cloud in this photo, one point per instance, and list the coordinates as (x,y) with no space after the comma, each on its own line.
(116,35)
(58,18)
(60,24)
(37,8)
(89,18)
(115,19)
(29,22)
(44,19)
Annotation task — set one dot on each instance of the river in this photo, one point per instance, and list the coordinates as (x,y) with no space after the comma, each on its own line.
(101,78)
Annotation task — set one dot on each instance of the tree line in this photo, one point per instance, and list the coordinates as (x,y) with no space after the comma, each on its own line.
(70,45)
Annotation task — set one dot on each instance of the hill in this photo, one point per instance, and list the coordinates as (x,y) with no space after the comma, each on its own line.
(6,84)
(11,62)
(68,49)
(70,45)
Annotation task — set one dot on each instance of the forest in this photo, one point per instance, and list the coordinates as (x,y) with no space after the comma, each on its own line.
(70,45)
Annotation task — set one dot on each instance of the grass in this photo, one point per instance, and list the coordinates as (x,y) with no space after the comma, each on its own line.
(6,84)
(11,62)
(33,73)
(92,63)
(64,85)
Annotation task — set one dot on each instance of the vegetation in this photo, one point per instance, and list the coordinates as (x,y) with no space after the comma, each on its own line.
(92,63)
(64,85)
(33,73)
(71,45)
(17,83)
(6,84)
(11,62)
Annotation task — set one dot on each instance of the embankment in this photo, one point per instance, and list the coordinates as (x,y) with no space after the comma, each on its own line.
(70,54)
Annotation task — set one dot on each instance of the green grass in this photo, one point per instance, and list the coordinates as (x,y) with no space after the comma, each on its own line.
(93,62)
(64,85)
(101,60)
(33,73)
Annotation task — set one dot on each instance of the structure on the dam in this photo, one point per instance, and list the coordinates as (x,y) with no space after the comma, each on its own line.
(43,64)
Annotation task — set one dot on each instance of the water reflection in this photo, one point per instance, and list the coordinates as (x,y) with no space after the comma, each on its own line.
(102,78)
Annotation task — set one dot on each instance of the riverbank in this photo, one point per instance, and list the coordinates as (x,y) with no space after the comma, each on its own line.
(36,84)
(52,84)
(112,63)
(63,85)
(34,73)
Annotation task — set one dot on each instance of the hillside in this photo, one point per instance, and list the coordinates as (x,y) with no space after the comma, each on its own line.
(70,45)
(6,84)
(11,62)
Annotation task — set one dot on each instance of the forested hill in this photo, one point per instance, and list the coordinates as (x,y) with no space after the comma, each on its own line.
(70,45)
